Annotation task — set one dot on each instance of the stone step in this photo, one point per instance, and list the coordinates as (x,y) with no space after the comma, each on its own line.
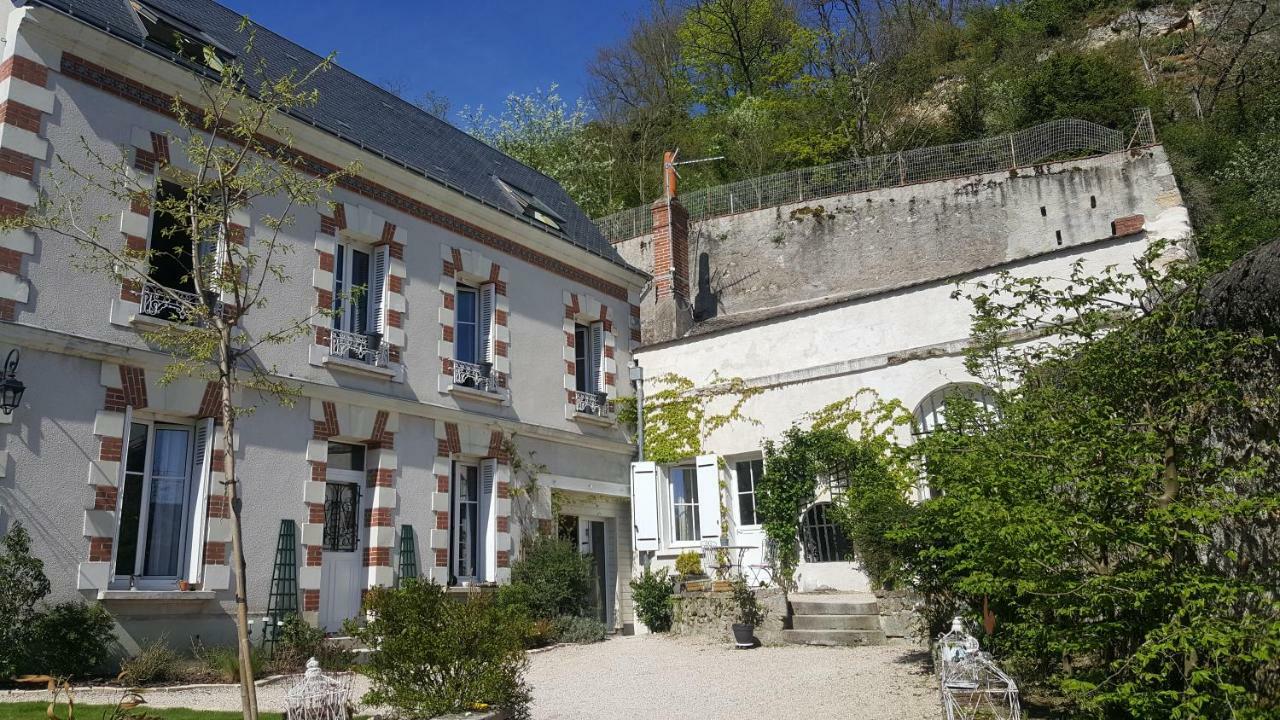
(835,622)
(833,637)
(807,606)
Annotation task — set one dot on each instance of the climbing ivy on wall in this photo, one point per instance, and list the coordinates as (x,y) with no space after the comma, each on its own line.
(849,437)
(679,416)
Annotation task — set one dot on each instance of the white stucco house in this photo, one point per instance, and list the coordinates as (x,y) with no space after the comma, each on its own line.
(501,317)
(813,300)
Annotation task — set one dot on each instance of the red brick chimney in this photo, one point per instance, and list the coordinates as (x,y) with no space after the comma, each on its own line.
(670,250)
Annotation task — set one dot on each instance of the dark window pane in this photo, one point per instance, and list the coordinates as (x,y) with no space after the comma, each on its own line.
(137,459)
(464,326)
(360,287)
(581,347)
(171,243)
(747,508)
(346,457)
(339,286)
(823,540)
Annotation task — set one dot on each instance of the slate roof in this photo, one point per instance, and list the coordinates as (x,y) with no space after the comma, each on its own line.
(364,114)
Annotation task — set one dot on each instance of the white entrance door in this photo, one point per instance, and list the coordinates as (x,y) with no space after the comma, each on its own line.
(341,566)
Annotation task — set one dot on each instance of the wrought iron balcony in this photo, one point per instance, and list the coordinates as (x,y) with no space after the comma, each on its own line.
(167,304)
(593,403)
(368,349)
(475,375)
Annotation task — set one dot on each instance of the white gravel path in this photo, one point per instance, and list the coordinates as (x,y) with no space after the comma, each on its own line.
(668,678)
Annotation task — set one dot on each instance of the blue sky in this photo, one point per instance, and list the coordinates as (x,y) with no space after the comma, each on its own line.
(473,52)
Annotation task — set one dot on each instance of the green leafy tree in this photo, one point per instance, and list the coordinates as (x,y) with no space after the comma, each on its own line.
(236,151)
(547,133)
(742,47)
(1120,519)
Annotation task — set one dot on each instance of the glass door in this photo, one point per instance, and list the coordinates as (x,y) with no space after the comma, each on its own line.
(152,539)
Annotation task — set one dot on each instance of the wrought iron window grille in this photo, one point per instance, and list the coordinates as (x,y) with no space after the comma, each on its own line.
(479,376)
(593,403)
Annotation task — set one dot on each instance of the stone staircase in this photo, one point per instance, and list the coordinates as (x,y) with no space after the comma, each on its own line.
(834,619)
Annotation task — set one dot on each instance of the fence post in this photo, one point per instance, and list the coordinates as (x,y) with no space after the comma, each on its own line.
(1013,154)
(902,170)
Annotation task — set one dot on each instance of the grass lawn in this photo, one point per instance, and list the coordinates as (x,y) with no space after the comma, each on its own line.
(36,711)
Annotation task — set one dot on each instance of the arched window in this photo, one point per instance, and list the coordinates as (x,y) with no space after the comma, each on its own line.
(930,413)
(821,539)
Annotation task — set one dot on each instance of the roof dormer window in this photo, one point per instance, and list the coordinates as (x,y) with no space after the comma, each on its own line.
(181,38)
(530,206)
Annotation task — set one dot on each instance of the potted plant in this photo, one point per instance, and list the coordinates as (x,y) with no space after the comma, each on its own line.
(689,566)
(750,614)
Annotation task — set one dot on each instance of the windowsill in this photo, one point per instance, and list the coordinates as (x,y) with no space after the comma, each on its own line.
(157,595)
(601,420)
(482,395)
(355,366)
(750,528)
(152,321)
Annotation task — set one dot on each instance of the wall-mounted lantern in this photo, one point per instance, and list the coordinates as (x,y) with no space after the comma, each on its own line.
(11,388)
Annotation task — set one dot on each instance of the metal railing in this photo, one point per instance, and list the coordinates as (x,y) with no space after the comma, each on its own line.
(169,304)
(474,375)
(358,346)
(592,403)
(1055,140)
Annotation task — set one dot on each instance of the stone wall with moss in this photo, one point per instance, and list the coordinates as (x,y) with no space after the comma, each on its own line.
(711,615)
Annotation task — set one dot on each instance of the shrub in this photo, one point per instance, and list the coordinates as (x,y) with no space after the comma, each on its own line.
(155,662)
(1089,86)
(434,655)
(749,610)
(579,630)
(551,579)
(71,639)
(222,662)
(22,584)
(299,642)
(651,595)
(689,563)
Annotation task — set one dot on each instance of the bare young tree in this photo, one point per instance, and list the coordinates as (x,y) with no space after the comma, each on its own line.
(234,150)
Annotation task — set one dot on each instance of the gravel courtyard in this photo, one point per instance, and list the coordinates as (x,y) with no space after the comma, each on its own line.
(668,678)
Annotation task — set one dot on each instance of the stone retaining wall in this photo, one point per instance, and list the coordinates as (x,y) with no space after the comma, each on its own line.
(710,615)
(898,614)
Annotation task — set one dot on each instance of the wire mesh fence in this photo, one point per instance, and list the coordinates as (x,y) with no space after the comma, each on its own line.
(1056,140)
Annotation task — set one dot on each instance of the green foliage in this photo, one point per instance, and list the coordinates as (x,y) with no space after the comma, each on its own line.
(435,655)
(71,639)
(154,663)
(678,416)
(749,610)
(300,641)
(550,579)
(850,438)
(1117,519)
(22,585)
(221,663)
(651,595)
(1089,86)
(579,630)
(689,563)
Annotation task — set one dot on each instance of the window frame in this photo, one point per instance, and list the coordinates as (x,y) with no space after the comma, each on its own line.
(738,493)
(456,503)
(190,484)
(473,320)
(689,473)
(343,256)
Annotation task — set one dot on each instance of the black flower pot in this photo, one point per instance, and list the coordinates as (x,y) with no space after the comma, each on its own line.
(744,636)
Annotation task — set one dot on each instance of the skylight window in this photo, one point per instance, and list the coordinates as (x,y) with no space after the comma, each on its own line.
(530,206)
(181,38)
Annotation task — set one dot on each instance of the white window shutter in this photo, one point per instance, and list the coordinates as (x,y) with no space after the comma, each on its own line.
(488,570)
(644,505)
(378,289)
(597,356)
(709,497)
(202,465)
(488,298)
